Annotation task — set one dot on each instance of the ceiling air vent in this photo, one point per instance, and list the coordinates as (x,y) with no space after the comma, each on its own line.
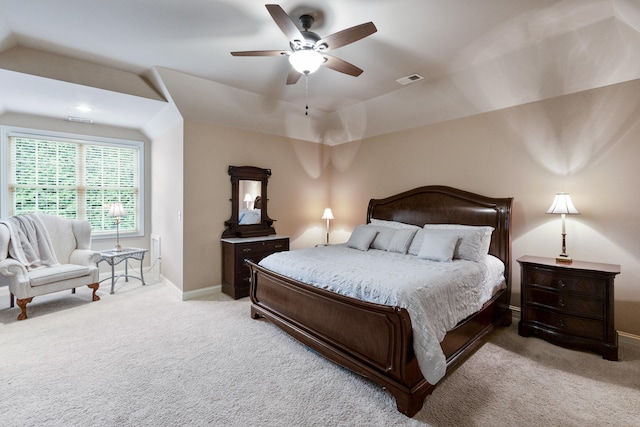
(409,79)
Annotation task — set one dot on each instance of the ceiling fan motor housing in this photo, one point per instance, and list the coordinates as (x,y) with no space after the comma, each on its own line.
(310,38)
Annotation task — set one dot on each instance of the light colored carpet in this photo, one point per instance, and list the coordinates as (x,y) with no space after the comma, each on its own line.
(142,357)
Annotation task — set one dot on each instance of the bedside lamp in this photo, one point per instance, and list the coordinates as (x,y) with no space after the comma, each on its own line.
(562,205)
(248,199)
(328,215)
(117,211)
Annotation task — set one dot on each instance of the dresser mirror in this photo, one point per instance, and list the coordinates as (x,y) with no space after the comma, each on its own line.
(248,203)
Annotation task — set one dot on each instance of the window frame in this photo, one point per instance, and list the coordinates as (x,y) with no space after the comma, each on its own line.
(11,131)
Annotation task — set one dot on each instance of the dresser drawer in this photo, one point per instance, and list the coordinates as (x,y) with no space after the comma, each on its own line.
(575,285)
(567,324)
(569,304)
(268,246)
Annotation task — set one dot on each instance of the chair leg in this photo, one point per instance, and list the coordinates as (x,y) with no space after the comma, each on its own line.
(95,287)
(11,302)
(22,303)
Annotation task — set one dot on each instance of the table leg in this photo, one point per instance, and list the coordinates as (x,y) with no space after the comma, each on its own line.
(113,277)
(126,269)
(141,274)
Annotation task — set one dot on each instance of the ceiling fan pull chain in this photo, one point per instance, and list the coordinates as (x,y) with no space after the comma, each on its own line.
(306,94)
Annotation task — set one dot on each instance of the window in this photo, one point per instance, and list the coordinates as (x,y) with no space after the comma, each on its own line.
(73,177)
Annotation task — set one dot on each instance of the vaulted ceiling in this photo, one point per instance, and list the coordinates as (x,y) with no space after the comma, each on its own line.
(130,59)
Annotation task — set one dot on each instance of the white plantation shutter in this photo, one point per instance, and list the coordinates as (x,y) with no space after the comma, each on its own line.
(75,179)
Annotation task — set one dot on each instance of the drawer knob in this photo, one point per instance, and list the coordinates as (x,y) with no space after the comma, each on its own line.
(246,250)
(561,283)
(561,323)
(279,246)
(561,303)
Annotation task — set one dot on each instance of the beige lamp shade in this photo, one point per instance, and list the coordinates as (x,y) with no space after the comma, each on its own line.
(562,205)
(116,209)
(327,214)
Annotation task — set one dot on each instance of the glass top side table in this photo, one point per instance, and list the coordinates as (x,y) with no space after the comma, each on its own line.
(113,258)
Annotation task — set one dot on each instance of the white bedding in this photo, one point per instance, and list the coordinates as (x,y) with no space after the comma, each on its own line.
(437,295)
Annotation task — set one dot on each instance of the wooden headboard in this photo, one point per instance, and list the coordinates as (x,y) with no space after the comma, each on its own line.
(436,204)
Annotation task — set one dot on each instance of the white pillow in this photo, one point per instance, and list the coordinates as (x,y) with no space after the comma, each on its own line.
(474,240)
(383,238)
(392,224)
(401,240)
(416,243)
(362,237)
(439,245)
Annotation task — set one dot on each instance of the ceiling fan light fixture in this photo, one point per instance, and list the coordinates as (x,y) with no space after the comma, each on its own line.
(306,61)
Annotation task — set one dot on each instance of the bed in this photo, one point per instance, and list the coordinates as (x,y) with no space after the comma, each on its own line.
(376,340)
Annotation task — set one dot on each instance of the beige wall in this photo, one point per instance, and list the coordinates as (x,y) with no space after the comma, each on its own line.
(297,192)
(585,144)
(167,195)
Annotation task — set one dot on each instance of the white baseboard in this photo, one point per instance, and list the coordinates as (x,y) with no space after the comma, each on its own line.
(624,338)
(627,339)
(201,292)
(184,296)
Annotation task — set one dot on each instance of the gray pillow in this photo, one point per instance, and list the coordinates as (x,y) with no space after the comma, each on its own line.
(474,240)
(401,240)
(439,245)
(362,237)
(384,236)
(416,243)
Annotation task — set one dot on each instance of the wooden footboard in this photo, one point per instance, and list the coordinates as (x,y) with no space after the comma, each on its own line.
(370,339)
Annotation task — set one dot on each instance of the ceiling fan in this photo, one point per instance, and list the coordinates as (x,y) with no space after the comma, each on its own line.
(308,50)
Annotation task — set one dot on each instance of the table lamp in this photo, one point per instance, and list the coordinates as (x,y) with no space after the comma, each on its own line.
(117,211)
(562,205)
(248,199)
(328,215)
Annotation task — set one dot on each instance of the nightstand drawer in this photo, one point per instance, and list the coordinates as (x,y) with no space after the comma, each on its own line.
(566,324)
(587,286)
(569,304)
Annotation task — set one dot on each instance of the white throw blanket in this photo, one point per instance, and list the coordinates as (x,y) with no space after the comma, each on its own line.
(437,295)
(30,243)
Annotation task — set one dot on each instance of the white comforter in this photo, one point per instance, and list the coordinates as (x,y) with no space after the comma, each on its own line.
(437,295)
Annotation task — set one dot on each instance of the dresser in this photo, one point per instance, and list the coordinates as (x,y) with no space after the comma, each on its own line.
(235,273)
(569,304)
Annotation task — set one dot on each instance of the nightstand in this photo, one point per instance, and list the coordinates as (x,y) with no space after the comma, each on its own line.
(235,250)
(569,304)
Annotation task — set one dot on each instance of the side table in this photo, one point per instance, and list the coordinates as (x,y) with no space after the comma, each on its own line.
(569,304)
(116,257)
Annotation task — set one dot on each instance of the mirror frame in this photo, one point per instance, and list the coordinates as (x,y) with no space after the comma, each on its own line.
(265,227)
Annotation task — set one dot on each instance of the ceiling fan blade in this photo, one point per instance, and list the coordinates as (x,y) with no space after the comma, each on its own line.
(293,76)
(345,37)
(285,23)
(342,66)
(261,53)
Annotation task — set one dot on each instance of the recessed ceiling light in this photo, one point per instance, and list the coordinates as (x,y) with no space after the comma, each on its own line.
(84,108)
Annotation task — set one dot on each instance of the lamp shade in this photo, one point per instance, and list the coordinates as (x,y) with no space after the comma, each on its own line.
(562,205)
(116,209)
(306,61)
(248,198)
(327,214)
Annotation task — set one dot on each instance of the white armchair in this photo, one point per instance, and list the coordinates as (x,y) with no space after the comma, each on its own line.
(71,240)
